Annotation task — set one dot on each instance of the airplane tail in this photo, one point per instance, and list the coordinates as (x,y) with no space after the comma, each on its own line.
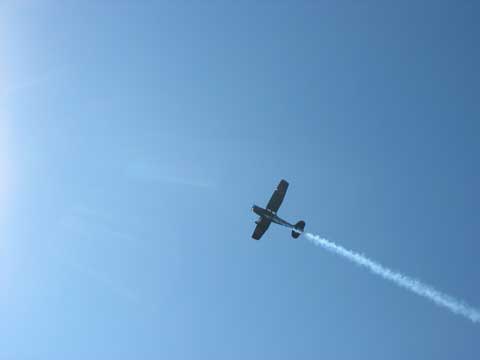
(298,229)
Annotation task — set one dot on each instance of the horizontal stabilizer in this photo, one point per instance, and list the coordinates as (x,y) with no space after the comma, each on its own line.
(299,227)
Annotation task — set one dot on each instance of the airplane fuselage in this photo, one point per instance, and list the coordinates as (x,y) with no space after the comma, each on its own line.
(270,215)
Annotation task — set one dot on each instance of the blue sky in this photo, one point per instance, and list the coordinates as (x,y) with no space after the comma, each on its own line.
(135,136)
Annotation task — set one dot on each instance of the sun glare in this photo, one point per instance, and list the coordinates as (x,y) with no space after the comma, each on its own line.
(3,187)
(4,173)
(4,155)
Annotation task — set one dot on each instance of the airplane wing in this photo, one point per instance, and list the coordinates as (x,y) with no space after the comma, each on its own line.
(277,197)
(260,229)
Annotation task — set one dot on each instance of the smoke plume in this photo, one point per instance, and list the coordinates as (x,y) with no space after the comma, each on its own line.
(446,301)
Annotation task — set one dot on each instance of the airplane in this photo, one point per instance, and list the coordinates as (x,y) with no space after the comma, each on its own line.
(269,214)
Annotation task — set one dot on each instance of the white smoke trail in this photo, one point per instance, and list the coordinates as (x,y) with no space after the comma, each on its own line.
(456,306)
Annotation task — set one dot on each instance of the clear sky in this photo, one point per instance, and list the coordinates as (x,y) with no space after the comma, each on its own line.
(136,135)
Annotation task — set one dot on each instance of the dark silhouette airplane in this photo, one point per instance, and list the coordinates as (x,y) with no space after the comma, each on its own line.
(269,214)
